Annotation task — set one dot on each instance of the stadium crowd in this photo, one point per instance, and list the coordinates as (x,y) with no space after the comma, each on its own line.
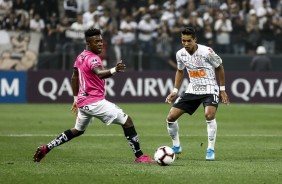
(147,28)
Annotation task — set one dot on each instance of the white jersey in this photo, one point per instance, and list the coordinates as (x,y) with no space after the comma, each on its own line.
(201,69)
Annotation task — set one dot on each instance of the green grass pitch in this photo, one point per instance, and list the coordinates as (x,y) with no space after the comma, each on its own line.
(248,147)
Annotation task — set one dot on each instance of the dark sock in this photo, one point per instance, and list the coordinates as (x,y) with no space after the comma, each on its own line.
(61,139)
(132,138)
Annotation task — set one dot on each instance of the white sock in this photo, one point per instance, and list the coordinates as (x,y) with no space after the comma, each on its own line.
(172,128)
(211,129)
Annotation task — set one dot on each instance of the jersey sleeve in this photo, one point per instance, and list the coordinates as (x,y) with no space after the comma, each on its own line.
(94,61)
(180,64)
(214,59)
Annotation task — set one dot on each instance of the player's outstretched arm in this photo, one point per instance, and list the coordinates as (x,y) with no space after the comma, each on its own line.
(178,80)
(75,88)
(106,73)
(223,94)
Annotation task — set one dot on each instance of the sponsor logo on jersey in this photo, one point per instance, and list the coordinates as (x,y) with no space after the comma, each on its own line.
(84,94)
(95,60)
(197,73)
(199,88)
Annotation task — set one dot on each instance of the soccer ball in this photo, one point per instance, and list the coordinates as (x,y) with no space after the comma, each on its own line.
(164,156)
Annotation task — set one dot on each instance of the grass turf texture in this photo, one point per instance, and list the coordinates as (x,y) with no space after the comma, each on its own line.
(248,148)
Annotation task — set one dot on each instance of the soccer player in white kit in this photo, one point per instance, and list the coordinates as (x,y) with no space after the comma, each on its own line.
(200,62)
(88,87)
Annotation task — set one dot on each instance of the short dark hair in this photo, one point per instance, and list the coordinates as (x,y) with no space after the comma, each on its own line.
(189,31)
(91,32)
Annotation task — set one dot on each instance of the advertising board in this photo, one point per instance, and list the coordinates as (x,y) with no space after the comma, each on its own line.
(139,87)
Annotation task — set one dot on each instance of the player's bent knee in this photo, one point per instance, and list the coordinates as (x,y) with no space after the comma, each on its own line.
(128,123)
(209,116)
(171,119)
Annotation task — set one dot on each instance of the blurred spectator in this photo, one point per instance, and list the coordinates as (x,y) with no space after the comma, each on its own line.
(256,4)
(261,62)
(208,37)
(175,3)
(100,10)
(140,3)
(175,31)
(89,14)
(268,36)
(11,21)
(223,28)
(146,39)
(117,40)
(223,8)
(139,14)
(125,6)
(95,22)
(170,15)
(128,31)
(63,25)
(52,7)
(277,22)
(262,13)
(23,23)
(105,20)
(5,6)
(82,5)
(52,32)
(39,7)
(266,25)
(70,9)
(202,7)
(78,24)
(163,46)
(155,12)
(197,23)
(234,12)
(253,32)
(19,5)
(77,29)
(238,36)
(191,6)
(37,24)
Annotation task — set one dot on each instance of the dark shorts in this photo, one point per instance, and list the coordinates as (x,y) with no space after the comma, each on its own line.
(190,102)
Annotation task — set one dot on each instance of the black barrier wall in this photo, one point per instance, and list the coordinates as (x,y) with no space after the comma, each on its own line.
(143,87)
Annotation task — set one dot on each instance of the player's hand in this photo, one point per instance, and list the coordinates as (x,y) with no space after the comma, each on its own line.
(171,97)
(224,97)
(74,108)
(120,67)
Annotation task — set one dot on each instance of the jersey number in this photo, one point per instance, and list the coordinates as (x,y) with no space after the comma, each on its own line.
(215,98)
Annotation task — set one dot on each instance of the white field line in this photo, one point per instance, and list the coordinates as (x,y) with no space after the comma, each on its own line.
(154,135)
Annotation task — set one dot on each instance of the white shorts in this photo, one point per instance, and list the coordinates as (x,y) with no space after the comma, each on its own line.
(103,110)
